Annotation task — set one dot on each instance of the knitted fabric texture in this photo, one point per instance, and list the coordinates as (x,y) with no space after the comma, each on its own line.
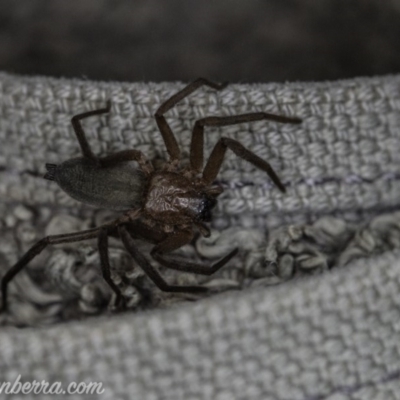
(343,157)
(326,336)
(331,337)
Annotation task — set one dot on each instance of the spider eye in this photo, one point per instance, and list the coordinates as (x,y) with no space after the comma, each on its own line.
(207,204)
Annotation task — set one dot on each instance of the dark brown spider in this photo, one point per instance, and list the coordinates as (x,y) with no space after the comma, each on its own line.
(164,206)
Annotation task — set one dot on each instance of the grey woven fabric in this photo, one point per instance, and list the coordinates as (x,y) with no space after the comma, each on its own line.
(331,336)
(344,157)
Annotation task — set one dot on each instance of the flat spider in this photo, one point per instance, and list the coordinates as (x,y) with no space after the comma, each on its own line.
(163,206)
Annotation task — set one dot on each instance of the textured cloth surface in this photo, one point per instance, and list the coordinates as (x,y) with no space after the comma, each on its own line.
(329,337)
(344,157)
(332,336)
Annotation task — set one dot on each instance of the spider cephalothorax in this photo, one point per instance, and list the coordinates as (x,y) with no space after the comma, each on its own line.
(176,200)
(165,206)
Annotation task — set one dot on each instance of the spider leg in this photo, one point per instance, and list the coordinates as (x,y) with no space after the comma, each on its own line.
(175,242)
(139,230)
(102,242)
(151,272)
(128,155)
(217,155)
(80,134)
(178,264)
(35,250)
(166,132)
(197,144)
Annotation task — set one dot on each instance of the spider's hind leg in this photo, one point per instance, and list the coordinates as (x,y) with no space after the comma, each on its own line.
(80,134)
(174,262)
(102,242)
(195,268)
(150,271)
(110,160)
(34,251)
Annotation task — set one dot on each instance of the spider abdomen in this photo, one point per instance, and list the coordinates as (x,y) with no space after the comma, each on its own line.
(119,187)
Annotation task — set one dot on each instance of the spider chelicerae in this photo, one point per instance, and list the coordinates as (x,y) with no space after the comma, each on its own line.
(164,206)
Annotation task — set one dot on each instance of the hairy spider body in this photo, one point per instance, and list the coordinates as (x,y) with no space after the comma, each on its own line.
(165,206)
(174,199)
(118,187)
(168,198)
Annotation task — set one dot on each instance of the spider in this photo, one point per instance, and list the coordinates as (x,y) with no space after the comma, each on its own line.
(164,206)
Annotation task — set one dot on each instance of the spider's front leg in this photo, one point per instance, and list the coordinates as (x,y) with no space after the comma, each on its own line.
(214,163)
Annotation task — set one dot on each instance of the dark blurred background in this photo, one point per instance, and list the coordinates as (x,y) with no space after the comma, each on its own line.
(234,40)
